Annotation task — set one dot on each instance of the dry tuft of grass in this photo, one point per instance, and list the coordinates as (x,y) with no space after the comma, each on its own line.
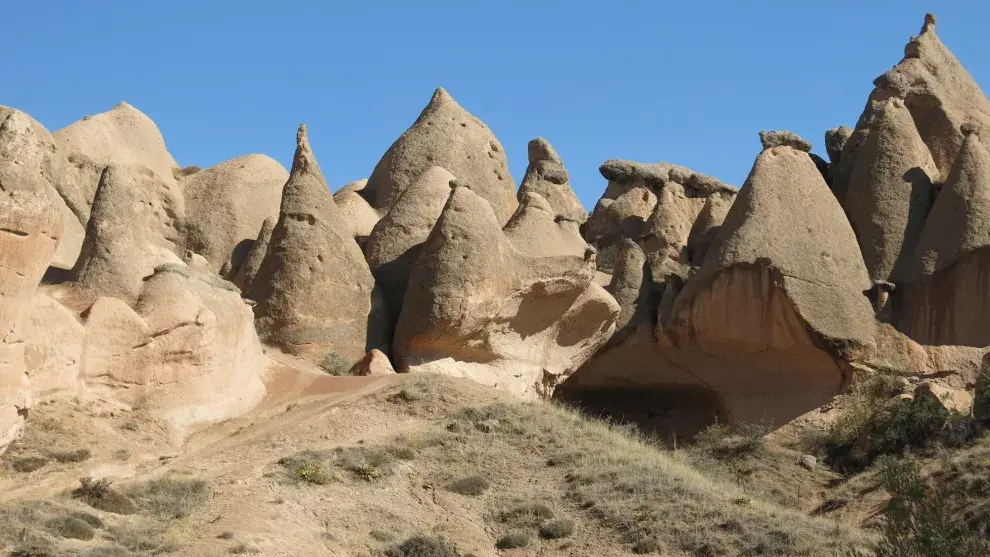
(308,467)
(98,494)
(472,485)
(556,528)
(28,464)
(423,546)
(527,514)
(242,549)
(70,527)
(514,539)
(367,463)
(78,455)
(335,364)
(171,496)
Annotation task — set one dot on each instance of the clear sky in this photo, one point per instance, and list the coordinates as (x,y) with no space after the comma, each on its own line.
(688,82)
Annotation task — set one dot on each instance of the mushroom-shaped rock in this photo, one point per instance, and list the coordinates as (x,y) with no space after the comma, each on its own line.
(547,176)
(835,140)
(30,226)
(783,138)
(355,210)
(945,301)
(227,204)
(890,192)
(29,159)
(396,240)
(255,256)
(623,217)
(480,306)
(781,292)
(940,95)
(445,135)
(314,290)
(121,136)
(133,228)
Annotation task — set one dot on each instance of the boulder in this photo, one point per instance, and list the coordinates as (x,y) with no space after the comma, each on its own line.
(783,138)
(946,302)
(134,227)
(952,400)
(445,135)
(314,291)
(481,304)
(938,92)
(227,204)
(355,210)
(255,256)
(396,240)
(375,362)
(835,141)
(890,193)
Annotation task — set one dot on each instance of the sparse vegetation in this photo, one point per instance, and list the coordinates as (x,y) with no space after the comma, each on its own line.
(382,536)
(423,546)
(171,496)
(70,527)
(78,455)
(228,535)
(556,528)
(242,549)
(335,364)
(308,466)
(723,442)
(528,514)
(98,494)
(28,464)
(366,463)
(129,425)
(473,485)
(514,539)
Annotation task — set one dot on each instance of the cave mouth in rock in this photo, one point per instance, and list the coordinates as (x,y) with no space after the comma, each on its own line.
(669,412)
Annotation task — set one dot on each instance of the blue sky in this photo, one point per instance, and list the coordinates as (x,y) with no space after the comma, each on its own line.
(685,82)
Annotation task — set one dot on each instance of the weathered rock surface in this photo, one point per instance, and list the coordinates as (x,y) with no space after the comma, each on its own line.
(519,318)
(255,256)
(227,204)
(952,400)
(448,136)
(890,192)
(947,302)
(396,240)
(54,339)
(314,290)
(547,176)
(355,210)
(375,362)
(134,227)
(706,226)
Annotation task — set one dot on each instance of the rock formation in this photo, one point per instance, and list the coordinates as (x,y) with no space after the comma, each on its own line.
(448,136)
(498,307)
(314,290)
(547,176)
(355,210)
(255,256)
(132,230)
(227,204)
(396,240)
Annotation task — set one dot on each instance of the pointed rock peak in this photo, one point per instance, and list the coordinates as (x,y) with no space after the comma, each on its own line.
(929,23)
(441,101)
(304,161)
(440,95)
(541,150)
(771,139)
(123,105)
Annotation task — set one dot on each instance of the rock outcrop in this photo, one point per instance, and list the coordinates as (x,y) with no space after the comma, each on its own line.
(396,240)
(314,290)
(448,136)
(498,307)
(355,210)
(226,206)
(255,256)
(547,176)
(134,227)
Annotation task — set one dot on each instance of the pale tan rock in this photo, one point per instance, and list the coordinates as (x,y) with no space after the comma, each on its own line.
(227,204)
(535,230)
(478,305)
(375,362)
(355,210)
(115,339)
(939,93)
(547,176)
(134,227)
(706,226)
(665,237)
(396,240)
(623,217)
(314,290)
(53,350)
(120,136)
(255,256)
(890,193)
(448,136)
(952,400)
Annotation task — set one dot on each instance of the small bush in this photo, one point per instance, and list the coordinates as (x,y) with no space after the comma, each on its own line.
(526,515)
(242,549)
(308,466)
(514,539)
(981,398)
(720,441)
(470,485)
(422,546)
(918,520)
(90,519)
(366,463)
(226,535)
(28,464)
(335,364)
(314,473)
(170,496)
(78,455)
(129,425)
(382,536)
(70,527)
(556,528)
(99,495)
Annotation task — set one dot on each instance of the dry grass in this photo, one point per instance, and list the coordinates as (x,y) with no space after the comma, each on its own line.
(335,364)
(99,495)
(423,546)
(78,455)
(556,528)
(28,464)
(307,466)
(514,539)
(170,497)
(472,485)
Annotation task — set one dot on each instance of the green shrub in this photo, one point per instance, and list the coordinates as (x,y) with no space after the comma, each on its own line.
(470,485)
(556,528)
(335,364)
(514,539)
(98,494)
(70,527)
(918,519)
(721,441)
(308,466)
(422,546)
(981,399)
